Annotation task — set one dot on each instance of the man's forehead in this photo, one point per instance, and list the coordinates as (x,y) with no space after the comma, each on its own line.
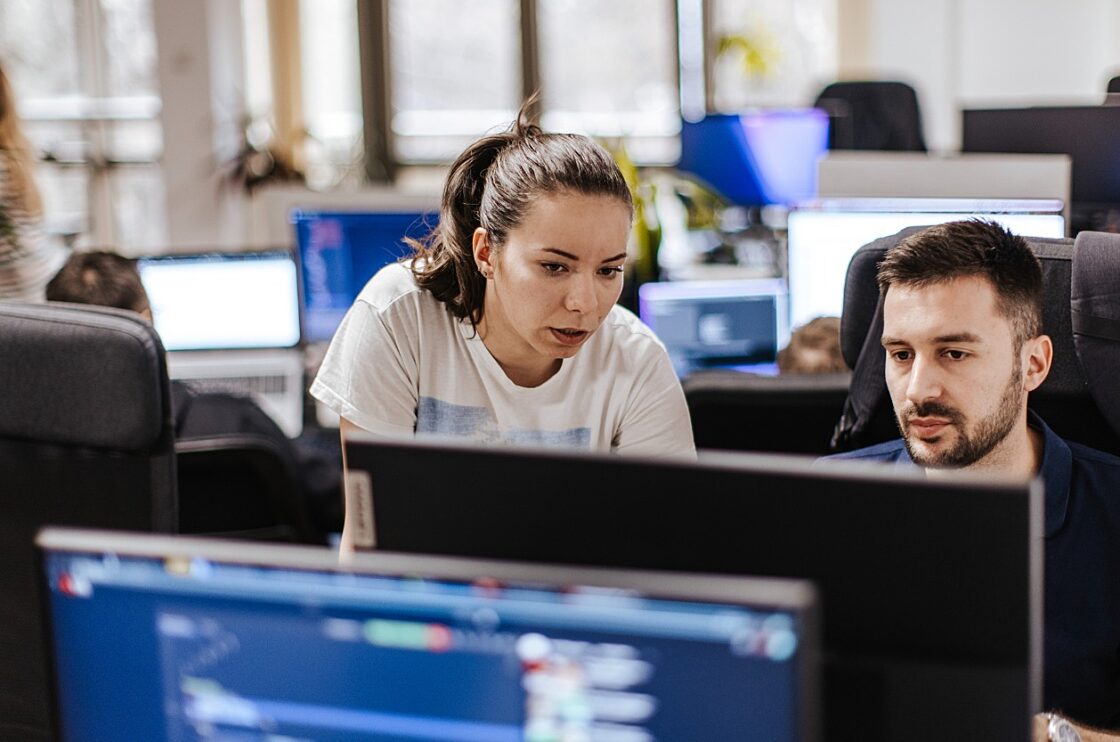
(958,310)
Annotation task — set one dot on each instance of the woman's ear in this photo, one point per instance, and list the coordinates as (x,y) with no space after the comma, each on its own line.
(480,246)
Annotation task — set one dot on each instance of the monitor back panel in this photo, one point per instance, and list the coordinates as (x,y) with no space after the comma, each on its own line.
(178,639)
(1086,133)
(931,591)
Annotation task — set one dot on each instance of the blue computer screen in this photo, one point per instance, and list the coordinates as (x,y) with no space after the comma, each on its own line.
(340,251)
(151,649)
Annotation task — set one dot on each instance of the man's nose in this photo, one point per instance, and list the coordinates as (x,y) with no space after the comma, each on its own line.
(924,382)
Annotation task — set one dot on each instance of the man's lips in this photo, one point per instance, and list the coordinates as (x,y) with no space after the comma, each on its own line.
(928,427)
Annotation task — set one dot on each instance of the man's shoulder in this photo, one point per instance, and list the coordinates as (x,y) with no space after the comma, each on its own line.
(1094,458)
(894,450)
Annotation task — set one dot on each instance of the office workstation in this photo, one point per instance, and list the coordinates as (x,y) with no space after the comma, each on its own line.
(616,313)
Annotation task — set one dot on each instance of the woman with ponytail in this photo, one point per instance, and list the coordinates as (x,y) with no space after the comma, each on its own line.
(503,326)
(28,257)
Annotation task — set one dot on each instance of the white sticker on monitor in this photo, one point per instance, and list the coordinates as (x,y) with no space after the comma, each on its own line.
(359,509)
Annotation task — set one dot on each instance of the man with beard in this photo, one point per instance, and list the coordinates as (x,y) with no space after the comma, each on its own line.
(962,308)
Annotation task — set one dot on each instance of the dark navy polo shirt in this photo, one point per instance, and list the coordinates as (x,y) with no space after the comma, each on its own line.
(1082,574)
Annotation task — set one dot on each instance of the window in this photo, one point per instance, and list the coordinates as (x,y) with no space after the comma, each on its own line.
(455,73)
(609,69)
(88,96)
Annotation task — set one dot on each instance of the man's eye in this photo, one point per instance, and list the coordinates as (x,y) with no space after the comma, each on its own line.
(956,355)
(901,355)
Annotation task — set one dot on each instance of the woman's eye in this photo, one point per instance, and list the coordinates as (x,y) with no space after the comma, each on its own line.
(611,272)
(552,267)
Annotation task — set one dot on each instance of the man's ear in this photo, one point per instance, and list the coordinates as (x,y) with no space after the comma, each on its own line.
(480,246)
(1037,355)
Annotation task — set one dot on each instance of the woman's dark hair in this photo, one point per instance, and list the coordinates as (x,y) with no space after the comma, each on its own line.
(492,185)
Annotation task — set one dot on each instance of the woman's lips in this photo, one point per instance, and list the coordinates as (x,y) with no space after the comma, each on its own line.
(568,335)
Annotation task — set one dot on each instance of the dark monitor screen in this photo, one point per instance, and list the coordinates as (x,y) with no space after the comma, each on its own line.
(1090,135)
(169,638)
(931,588)
(340,251)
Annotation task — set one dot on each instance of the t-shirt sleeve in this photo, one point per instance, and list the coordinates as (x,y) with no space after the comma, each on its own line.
(656,420)
(369,374)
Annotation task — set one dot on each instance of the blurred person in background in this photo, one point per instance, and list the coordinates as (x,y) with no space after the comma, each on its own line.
(814,348)
(28,256)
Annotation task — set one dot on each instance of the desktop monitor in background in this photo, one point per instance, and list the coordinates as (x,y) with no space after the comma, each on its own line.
(823,236)
(1088,134)
(222,301)
(718,324)
(167,638)
(231,322)
(931,588)
(340,251)
(757,158)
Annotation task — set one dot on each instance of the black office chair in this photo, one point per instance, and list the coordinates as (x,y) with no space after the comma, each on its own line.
(1080,313)
(85,440)
(794,413)
(1113,86)
(242,486)
(238,471)
(872,115)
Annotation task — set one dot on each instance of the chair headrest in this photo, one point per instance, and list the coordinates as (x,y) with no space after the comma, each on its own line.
(82,375)
(861,310)
(1095,316)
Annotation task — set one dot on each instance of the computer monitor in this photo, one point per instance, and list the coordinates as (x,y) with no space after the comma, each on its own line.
(931,588)
(823,235)
(759,157)
(1088,134)
(922,175)
(169,638)
(718,324)
(223,301)
(339,251)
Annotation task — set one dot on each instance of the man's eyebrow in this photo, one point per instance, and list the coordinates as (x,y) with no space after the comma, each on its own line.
(956,337)
(575,258)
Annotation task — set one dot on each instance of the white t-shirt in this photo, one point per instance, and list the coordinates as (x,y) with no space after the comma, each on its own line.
(401,364)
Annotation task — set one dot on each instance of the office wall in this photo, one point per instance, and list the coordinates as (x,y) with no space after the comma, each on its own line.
(960,53)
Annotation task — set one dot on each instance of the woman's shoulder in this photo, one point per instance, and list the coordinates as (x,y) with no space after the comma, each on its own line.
(622,328)
(389,285)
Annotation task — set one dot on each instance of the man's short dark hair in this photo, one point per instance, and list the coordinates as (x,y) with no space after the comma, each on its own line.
(974,247)
(99,277)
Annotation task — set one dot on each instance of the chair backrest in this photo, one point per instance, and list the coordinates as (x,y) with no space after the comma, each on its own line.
(1113,85)
(1065,400)
(242,486)
(873,114)
(793,413)
(85,439)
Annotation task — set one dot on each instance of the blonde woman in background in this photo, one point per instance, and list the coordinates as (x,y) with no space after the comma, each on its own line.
(28,256)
